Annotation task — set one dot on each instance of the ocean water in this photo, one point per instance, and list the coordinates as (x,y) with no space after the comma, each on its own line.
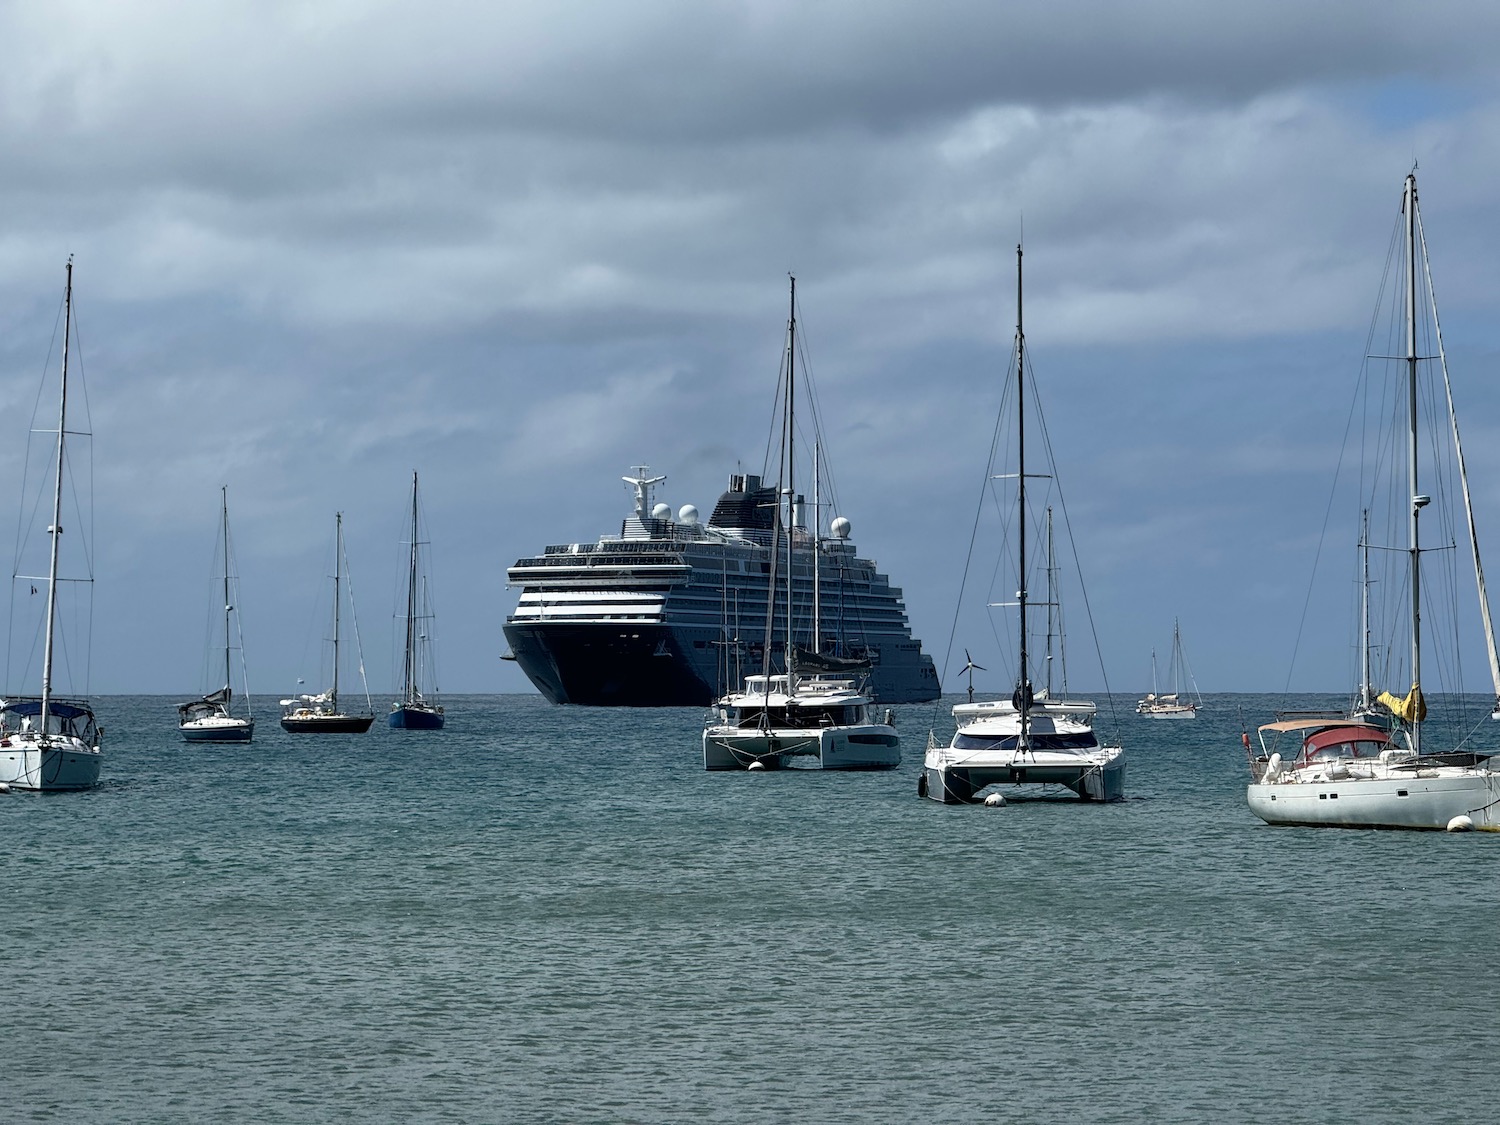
(554,914)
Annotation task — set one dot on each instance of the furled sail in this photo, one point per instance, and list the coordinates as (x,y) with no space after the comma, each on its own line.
(1412,709)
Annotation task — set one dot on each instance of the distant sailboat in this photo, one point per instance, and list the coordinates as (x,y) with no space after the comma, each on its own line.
(320,714)
(1171,705)
(210,719)
(49,744)
(414,710)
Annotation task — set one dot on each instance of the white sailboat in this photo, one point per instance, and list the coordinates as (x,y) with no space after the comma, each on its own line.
(817,712)
(1355,770)
(416,710)
(211,718)
(1171,705)
(1031,739)
(46,743)
(321,713)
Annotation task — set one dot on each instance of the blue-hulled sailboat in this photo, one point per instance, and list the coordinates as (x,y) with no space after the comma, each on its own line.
(416,710)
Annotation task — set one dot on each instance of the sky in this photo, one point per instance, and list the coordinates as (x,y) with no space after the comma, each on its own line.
(523,247)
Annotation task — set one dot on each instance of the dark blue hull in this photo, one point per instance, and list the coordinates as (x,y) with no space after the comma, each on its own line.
(607,665)
(416,718)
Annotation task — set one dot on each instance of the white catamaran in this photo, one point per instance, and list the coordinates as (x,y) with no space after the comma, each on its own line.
(47,743)
(817,711)
(1031,741)
(211,718)
(1379,766)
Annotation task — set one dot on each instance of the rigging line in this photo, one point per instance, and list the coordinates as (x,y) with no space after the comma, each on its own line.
(1062,503)
(359,650)
(1375,319)
(1484,603)
(984,488)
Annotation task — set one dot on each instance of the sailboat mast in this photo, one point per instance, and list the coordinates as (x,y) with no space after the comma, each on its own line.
(228,605)
(1416,500)
(411,600)
(1051,598)
(791,484)
(56,528)
(338,563)
(1365,699)
(1023,689)
(817,555)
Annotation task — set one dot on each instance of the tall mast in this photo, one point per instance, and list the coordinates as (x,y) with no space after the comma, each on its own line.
(411,600)
(791,484)
(1176,658)
(817,555)
(1023,688)
(338,563)
(1051,598)
(1365,700)
(56,528)
(228,605)
(1416,500)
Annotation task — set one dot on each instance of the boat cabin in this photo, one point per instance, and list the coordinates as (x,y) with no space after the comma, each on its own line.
(816,701)
(23,716)
(1348,741)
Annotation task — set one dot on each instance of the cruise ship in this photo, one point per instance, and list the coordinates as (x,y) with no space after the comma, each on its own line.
(672,612)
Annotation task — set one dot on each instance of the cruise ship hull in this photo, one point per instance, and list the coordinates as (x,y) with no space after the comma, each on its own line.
(605,665)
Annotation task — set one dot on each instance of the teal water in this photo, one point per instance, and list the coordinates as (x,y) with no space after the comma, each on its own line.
(554,914)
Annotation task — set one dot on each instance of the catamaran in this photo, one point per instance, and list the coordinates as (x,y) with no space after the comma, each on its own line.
(817,710)
(1032,741)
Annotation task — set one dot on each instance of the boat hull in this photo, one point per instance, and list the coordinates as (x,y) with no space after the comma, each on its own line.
(872,746)
(1171,713)
(327,724)
(653,665)
(1415,801)
(49,769)
(233,730)
(415,718)
(958,779)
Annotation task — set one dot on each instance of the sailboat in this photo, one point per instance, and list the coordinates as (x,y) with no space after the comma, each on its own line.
(1379,766)
(817,711)
(1032,740)
(211,719)
(50,744)
(320,714)
(415,711)
(1171,705)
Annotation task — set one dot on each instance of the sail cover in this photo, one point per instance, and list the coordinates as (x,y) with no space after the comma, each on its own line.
(804,660)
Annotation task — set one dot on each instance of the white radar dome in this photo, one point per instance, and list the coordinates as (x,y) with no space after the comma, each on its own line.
(840,528)
(687,514)
(661,512)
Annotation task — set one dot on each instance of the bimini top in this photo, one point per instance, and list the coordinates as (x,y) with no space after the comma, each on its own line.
(58,707)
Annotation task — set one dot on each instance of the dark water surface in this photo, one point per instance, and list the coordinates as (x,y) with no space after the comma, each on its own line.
(554,914)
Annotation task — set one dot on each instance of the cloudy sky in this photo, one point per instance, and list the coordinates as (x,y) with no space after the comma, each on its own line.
(521,247)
